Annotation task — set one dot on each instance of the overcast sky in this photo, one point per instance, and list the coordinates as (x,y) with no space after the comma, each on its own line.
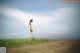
(51,19)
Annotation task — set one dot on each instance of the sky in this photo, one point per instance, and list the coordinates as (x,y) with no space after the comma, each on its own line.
(52,19)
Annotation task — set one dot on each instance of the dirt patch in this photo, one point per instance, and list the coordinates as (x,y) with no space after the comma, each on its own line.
(49,47)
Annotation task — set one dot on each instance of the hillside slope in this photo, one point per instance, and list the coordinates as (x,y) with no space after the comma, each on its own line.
(49,47)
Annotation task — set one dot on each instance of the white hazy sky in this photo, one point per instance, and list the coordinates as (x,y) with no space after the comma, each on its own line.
(60,23)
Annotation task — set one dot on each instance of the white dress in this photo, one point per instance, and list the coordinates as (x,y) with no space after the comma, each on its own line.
(31,27)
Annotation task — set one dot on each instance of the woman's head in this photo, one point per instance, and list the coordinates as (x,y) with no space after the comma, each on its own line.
(31,20)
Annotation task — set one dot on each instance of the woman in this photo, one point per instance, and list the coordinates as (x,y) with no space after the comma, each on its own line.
(31,30)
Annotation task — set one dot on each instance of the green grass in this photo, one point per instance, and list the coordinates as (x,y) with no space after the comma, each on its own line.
(18,42)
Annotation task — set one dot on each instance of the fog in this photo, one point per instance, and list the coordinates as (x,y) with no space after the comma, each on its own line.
(63,23)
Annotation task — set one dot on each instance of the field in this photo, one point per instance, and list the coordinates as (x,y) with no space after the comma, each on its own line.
(41,46)
(19,42)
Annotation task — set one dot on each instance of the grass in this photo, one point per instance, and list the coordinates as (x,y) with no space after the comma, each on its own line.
(18,42)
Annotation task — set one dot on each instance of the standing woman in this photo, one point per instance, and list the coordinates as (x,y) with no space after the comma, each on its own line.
(31,29)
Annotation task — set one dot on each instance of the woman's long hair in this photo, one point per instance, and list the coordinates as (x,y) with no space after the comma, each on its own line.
(31,20)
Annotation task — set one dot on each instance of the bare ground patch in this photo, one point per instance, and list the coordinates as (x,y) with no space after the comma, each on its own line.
(48,47)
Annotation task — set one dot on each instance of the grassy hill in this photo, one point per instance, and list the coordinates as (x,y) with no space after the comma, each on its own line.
(41,46)
(19,42)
